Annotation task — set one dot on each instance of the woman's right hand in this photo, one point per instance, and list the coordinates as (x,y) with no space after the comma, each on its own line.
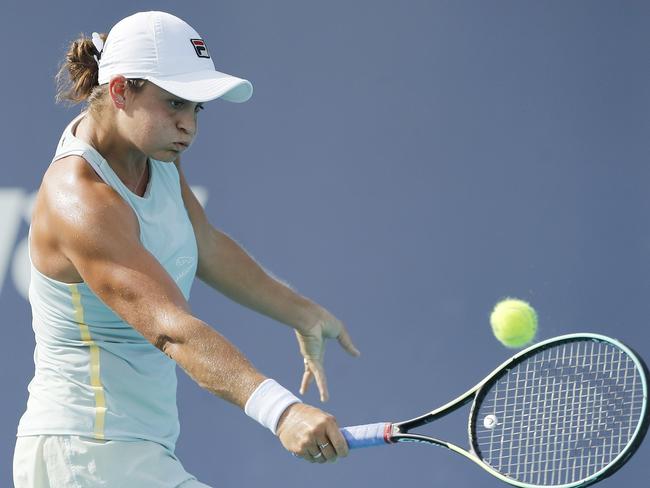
(311,434)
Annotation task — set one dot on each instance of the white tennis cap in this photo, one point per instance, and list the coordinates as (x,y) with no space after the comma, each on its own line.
(165,50)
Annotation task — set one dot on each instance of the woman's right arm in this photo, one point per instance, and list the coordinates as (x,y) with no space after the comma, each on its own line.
(99,233)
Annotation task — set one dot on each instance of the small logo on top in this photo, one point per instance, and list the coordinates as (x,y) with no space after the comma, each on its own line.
(184,260)
(200,47)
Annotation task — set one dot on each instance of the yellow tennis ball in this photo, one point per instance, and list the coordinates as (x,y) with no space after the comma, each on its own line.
(514,322)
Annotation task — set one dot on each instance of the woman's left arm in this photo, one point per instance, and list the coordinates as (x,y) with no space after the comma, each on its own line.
(227,267)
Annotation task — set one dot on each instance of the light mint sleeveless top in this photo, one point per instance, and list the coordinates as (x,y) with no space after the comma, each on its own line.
(95,375)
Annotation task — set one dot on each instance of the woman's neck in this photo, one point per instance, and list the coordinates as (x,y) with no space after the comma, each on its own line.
(128,163)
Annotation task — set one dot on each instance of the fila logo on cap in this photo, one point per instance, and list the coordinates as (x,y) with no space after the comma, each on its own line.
(200,48)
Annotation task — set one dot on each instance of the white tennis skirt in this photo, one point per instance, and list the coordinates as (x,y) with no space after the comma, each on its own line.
(65,461)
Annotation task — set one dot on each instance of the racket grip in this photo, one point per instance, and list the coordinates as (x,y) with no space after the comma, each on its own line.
(367,435)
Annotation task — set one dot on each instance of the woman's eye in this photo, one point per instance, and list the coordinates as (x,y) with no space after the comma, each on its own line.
(179,104)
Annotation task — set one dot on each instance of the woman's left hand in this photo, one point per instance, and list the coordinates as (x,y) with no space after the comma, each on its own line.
(312,347)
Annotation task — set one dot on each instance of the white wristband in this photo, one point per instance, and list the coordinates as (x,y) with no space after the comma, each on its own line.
(268,402)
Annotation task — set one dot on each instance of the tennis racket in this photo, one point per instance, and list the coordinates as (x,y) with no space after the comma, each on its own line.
(565,412)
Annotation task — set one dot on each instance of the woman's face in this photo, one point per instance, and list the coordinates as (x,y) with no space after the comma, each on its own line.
(159,124)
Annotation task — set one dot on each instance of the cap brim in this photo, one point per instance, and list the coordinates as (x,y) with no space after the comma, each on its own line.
(202,86)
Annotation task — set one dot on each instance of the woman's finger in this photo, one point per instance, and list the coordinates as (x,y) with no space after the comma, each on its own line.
(321,380)
(328,450)
(307,378)
(346,342)
(339,444)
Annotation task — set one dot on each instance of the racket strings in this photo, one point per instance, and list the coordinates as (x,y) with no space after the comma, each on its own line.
(562,414)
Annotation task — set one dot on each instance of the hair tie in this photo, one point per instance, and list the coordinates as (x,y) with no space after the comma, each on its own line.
(99,46)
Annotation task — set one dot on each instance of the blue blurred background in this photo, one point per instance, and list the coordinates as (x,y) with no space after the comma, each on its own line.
(406,165)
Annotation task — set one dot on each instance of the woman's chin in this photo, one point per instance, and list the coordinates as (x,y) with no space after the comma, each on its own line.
(168,156)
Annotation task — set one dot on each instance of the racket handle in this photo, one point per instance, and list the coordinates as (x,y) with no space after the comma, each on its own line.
(367,435)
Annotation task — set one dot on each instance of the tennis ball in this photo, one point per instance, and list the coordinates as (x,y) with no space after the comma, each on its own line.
(514,322)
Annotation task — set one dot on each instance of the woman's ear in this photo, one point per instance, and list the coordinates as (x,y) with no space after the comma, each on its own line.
(117,90)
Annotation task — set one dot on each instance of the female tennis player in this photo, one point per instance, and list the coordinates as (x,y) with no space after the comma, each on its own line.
(116,239)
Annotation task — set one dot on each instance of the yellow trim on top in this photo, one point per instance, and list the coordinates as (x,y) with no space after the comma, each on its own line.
(95,379)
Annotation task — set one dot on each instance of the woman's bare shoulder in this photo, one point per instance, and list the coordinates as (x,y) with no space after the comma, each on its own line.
(70,184)
(73,205)
(73,199)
